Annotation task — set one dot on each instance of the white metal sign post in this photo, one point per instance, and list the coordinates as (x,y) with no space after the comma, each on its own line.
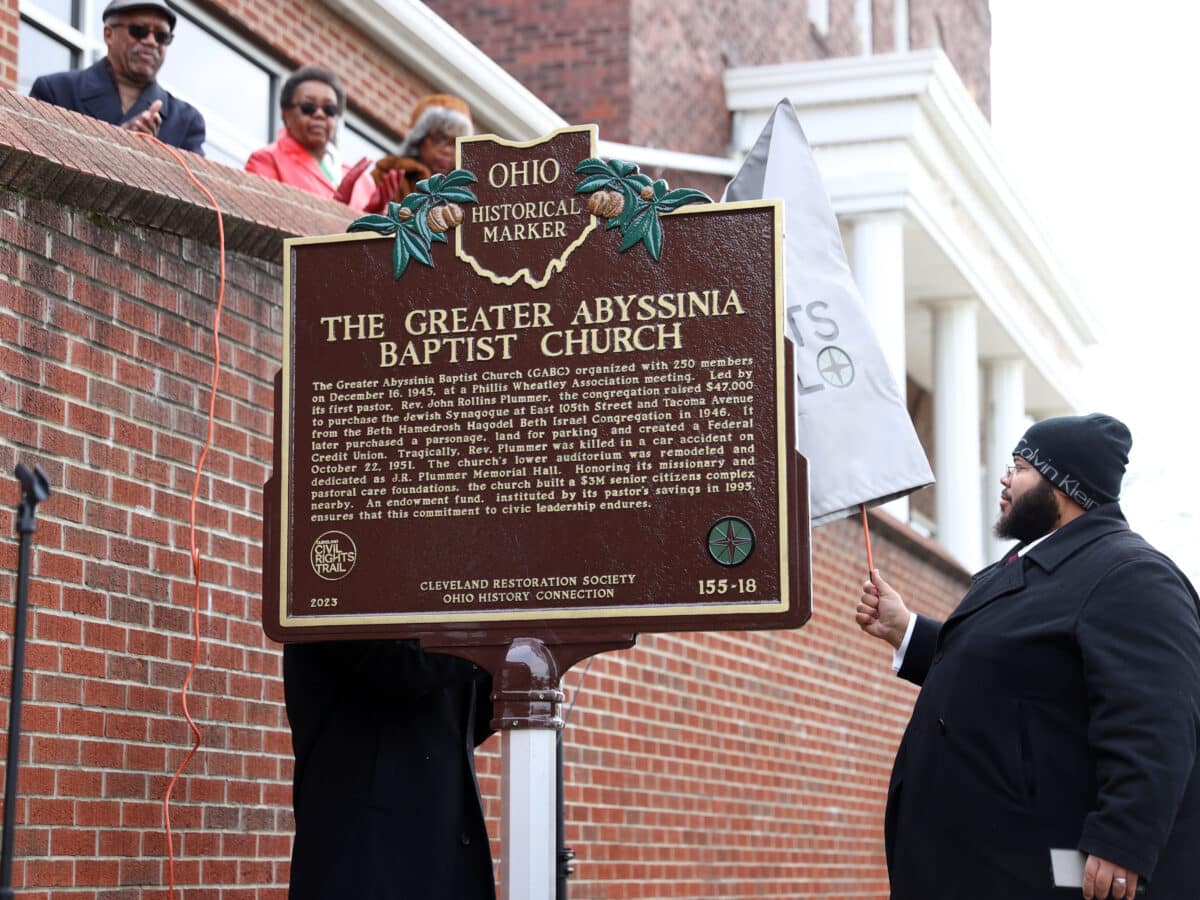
(527,702)
(529,794)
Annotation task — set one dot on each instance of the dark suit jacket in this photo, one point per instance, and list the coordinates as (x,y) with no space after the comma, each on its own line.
(1060,707)
(93,92)
(386,801)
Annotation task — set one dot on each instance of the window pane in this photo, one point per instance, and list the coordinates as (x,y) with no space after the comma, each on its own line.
(233,93)
(355,145)
(39,54)
(60,9)
(230,152)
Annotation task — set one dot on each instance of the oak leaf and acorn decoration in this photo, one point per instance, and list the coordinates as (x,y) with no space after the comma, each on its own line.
(424,216)
(631,201)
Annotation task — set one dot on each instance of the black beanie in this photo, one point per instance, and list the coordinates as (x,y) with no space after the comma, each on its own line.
(1082,456)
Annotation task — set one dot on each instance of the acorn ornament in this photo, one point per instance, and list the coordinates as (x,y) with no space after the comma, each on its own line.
(423,217)
(606,204)
(443,218)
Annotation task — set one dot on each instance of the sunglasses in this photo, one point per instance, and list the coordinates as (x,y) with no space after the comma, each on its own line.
(139,33)
(310,109)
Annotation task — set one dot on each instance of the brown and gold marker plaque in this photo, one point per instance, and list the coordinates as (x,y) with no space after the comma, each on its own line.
(565,418)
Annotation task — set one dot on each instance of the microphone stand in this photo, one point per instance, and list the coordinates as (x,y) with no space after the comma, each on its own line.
(35,488)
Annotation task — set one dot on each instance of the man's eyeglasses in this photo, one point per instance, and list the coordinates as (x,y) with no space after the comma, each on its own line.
(139,32)
(1013,470)
(310,109)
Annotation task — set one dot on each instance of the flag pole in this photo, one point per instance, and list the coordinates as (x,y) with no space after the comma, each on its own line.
(867,538)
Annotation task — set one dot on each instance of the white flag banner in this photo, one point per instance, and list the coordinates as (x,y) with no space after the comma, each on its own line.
(852,423)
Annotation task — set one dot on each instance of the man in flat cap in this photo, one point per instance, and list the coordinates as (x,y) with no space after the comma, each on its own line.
(121,88)
(1059,703)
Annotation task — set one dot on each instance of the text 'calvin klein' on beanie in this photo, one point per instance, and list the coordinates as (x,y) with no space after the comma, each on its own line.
(1082,456)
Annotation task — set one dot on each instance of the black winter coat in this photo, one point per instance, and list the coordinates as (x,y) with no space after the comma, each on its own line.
(93,92)
(1060,707)
(386,801)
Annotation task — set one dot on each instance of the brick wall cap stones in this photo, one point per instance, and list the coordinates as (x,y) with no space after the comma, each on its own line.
(69,158)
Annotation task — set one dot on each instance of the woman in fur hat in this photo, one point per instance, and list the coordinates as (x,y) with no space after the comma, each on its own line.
(429,147)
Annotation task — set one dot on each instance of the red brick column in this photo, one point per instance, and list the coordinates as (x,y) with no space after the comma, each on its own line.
(9,22)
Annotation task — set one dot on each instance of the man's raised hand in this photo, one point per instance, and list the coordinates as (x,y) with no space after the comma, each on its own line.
(881,611)
(148,120)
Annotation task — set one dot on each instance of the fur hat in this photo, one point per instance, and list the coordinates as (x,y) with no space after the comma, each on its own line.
(437,112)
(1082,456)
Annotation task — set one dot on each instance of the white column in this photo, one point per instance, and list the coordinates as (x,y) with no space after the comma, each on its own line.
(1003,426)
(877,259)
(956,430)
(865,22)
(528,810)
(900,26)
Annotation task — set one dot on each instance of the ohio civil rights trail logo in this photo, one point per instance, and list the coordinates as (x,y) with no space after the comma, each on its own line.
(835,366)
(333,555)
(731,541)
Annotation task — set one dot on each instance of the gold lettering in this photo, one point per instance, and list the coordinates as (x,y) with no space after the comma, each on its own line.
(613,339)
(353,327)
(648,307)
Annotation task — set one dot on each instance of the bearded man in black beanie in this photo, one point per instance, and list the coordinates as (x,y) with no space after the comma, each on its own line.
(1059,703)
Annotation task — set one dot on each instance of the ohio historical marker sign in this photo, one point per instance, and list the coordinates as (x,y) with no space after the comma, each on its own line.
(545,395)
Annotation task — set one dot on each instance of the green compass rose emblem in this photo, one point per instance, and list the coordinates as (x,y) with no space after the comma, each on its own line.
(835,366)
(731,541)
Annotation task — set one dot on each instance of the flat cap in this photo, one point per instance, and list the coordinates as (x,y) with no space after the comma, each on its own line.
(120,6)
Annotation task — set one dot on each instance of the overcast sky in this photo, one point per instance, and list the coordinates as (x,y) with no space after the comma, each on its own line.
(1094,106)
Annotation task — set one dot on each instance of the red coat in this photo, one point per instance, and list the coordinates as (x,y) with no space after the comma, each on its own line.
(287,160)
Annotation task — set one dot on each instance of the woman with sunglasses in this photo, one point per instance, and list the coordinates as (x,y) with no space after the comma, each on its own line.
(305,155)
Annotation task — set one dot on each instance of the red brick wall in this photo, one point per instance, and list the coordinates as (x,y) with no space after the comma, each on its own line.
(963,29)
(697,765)
(575,55)
(650,72)
(107,296)
(681,52)
(102,339)
(645,72)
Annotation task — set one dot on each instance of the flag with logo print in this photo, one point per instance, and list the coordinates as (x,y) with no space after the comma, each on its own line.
(851,420)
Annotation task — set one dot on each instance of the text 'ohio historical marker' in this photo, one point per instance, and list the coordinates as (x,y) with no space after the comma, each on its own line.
(546,393)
